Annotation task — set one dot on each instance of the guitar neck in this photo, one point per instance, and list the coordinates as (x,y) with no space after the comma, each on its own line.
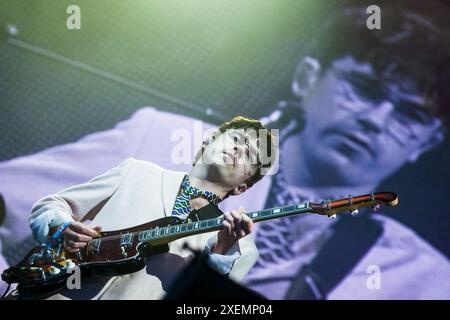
(169,233)
(329,208)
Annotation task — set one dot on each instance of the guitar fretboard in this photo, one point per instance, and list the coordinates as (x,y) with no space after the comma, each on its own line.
(209,225)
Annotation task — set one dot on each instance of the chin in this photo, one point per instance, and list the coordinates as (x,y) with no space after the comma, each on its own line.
(219,169)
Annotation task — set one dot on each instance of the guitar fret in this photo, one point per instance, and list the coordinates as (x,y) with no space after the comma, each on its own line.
(302,206)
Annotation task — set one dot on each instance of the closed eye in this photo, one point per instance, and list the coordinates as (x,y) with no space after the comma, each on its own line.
(413,112)
(365,87)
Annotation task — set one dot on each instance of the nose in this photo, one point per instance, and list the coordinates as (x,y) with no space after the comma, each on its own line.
(376,118)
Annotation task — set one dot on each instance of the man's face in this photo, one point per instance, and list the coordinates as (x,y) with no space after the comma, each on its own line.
(233,156)
(360,129)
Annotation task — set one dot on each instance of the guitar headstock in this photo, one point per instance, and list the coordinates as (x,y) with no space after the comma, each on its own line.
(353,204)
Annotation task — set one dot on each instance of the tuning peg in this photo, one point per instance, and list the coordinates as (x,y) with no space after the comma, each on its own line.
(354,212)
(376,207)
(332,217)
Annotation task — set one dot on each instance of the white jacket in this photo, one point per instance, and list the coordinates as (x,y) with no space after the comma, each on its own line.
(139,192)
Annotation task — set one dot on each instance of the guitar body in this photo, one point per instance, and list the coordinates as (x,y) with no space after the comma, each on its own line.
(45,271)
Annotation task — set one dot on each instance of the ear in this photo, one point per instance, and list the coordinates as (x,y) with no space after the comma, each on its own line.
(430,144)
(239,189)
(305,76)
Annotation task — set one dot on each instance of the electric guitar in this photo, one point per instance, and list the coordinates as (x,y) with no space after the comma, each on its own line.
(45,269)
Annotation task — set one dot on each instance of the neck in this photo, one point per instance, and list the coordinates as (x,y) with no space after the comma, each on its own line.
(298,176)
(201,179)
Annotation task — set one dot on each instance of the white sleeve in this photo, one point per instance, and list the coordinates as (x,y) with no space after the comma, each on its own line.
(73,203)
(222,263)
(238,260)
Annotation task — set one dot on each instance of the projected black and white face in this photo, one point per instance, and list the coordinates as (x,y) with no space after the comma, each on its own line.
(361,128)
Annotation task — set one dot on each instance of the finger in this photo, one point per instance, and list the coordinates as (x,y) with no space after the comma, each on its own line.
(236,216)
(74,246)
(245,217)
(242,233)
(229,218)
(75,226)
(88,223)
(227,227)
(237,222)
(92,232)
(77,245)
(83,229)
(77,237)
(247,223)
(70,249)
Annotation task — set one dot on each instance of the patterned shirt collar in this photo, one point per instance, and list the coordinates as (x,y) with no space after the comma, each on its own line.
(182,205)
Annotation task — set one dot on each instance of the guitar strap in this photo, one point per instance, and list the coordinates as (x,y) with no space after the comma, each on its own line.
(209,211)
(351,240)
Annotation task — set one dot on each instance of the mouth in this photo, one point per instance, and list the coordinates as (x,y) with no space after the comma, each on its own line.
(359,142)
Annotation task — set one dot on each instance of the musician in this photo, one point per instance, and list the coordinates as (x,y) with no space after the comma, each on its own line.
(410,267)
(137,192)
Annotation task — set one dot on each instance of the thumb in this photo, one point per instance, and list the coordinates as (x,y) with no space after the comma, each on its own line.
(98,229)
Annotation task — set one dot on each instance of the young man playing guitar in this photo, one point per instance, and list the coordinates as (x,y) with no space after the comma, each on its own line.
(137,192)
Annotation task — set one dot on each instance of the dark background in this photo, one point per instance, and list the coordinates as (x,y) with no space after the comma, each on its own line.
(232,57)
